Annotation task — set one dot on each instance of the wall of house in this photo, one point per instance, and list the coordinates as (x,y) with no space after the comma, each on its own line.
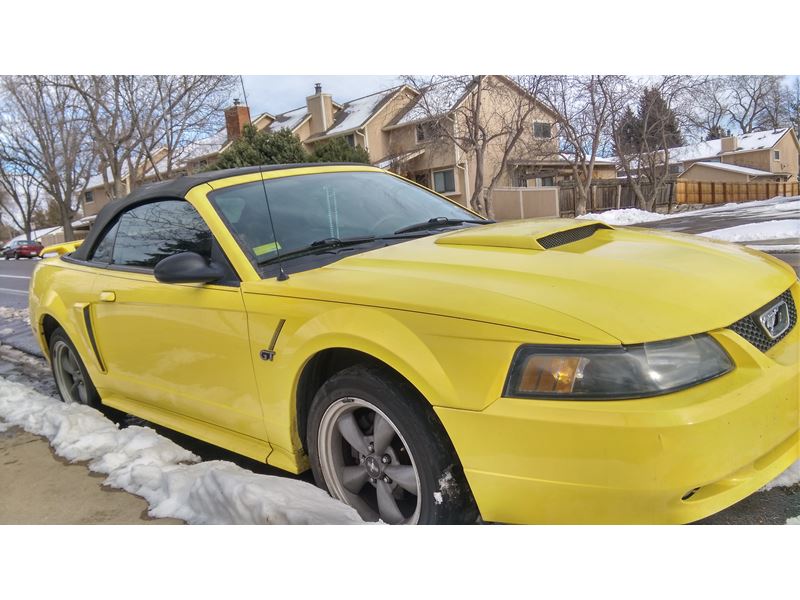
(100,200)
(790,155)
(378,141)
(525,203)
(703,173)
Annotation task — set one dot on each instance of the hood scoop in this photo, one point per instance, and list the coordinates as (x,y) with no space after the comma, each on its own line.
(542,234)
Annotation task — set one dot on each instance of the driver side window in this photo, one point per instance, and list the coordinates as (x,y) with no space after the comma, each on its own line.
(148,233)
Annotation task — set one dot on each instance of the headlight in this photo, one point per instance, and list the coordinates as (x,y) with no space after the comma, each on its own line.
(617,372)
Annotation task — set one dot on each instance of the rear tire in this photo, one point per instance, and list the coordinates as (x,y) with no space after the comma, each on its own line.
(72,379)
(376,445)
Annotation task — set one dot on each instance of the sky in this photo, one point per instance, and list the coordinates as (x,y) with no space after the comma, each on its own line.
(278,93)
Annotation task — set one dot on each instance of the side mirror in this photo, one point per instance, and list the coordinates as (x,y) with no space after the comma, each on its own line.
(187,267)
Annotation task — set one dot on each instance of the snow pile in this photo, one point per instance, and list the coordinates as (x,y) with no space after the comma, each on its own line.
(15,313)
(793,521)
(624,216)
(788,478)
(140,461)
(752,232)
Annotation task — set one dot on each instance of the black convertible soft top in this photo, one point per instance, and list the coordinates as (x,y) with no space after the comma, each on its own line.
(174,188)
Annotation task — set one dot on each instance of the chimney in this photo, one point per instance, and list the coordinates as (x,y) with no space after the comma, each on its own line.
(320,106)
(729,144)
(236,117)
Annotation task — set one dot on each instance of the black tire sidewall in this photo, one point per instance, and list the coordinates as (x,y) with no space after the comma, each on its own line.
(93,398)
(438,467)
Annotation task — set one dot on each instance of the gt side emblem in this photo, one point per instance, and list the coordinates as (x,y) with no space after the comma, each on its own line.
(775,320)
(269,353)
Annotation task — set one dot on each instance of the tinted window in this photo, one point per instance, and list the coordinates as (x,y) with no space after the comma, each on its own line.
(150,232)
(102,251)
(308,208)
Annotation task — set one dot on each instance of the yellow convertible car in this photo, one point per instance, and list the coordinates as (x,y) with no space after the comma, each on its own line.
(430,366)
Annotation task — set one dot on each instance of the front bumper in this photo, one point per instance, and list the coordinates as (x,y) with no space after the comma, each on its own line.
(670,459)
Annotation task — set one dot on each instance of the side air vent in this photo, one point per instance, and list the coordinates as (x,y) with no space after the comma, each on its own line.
(561,238)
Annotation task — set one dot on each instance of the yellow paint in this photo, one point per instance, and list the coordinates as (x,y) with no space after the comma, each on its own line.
(62,248)
(448,312)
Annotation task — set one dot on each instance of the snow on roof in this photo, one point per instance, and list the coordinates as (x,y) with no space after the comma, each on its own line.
(436,100)
(746,142)
(36,234)
(289,120)
(733,168)
(357,112)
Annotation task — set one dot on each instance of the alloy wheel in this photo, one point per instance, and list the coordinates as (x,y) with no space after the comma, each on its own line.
(69,376)
(367,464)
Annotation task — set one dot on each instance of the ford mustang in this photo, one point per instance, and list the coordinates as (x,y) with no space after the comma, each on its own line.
(428,365)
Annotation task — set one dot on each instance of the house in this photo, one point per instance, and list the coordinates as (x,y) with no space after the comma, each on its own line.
(772,155)
(391,125)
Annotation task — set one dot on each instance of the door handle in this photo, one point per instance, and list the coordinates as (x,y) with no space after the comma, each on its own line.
(107,296)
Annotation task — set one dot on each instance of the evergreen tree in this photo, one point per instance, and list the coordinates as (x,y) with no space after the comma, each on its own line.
(659,123)
(338,150)
(255,148)
(717,132)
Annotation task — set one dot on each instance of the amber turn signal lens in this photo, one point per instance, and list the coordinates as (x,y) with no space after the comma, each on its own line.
(551,374)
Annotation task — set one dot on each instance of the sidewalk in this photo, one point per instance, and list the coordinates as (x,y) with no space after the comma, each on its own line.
(36,487)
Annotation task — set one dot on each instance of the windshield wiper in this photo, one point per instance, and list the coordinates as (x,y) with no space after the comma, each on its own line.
(320,246)
(437,222)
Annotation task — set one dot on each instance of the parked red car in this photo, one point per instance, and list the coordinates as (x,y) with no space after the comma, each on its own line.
(22,248)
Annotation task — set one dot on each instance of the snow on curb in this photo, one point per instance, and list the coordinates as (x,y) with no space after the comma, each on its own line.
(142,462)
(754,232)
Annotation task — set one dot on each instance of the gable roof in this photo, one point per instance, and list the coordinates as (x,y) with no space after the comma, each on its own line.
(355,114)
(290,120)
(747,142)
(732,169)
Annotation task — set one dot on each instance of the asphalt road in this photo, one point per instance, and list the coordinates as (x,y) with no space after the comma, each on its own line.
(15,276)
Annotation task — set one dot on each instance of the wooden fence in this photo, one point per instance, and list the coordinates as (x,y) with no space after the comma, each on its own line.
(702,192)
(608,195)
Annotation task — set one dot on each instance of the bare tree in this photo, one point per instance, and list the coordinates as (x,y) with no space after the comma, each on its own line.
(750,99)
(20,195)
(582,105)
(43,131)
(143,124)
(484,116)
(709,116)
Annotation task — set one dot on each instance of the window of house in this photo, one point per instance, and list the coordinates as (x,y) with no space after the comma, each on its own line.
(542,130)
(148,233)
(776,154)
(547,182)
(88,197)
(675,168)
(421,133)
(351,140)
(444,181)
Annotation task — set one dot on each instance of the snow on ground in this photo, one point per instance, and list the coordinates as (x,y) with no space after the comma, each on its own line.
(171,479)
(788,478)
(624,216)
(14,313)
(753,232)
(793,521)
(631,216)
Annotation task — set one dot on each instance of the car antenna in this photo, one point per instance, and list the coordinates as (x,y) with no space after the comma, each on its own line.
(282,276)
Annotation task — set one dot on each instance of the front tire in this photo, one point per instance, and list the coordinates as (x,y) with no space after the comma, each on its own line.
(72,379)
(376,445)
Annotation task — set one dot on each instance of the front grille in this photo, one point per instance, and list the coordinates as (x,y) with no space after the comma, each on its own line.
(570,235)
(750,329)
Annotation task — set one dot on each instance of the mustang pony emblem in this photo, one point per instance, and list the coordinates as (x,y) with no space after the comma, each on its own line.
(775,320)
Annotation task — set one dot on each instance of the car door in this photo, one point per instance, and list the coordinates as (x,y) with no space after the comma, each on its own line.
(182,348)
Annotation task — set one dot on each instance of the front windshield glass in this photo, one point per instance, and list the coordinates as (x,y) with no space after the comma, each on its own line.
(309,208)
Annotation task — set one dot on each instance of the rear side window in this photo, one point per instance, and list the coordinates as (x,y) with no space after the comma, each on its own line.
(146,234)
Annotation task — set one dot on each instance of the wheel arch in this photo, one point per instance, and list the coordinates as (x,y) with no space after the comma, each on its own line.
(325,364)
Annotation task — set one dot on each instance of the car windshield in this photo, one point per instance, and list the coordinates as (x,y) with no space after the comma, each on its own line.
(345,207)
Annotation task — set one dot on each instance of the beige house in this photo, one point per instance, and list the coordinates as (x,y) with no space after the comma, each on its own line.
(760,156)
(398,135)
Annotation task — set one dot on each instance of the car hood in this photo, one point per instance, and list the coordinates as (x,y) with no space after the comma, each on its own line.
(577,279)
